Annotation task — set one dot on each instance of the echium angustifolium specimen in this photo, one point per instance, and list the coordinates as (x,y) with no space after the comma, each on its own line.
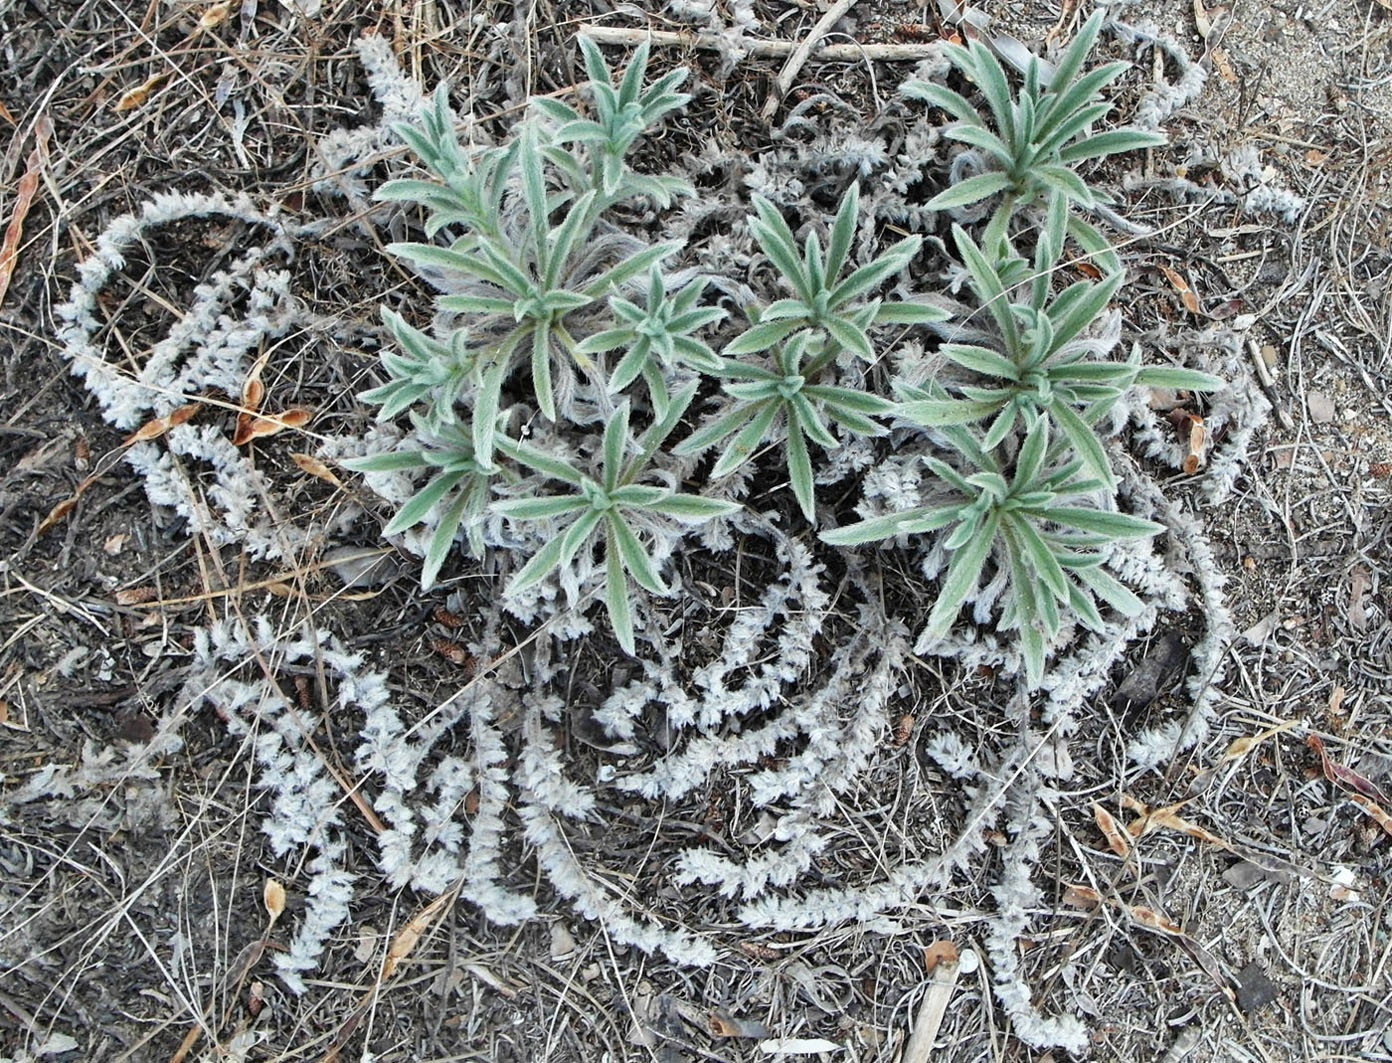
(550,307)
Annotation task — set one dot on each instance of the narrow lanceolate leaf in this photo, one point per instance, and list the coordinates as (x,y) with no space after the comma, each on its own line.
(1062,179)
(1103,522)
(953,103)
(869,276)
(963,572)
(1111,591)
(1110,143)
(842,231)
(616,592)
(811,423)
(850,338)
(981,360)
(1032,648)
(543,562)
(578,534)
(746,440)
(443,539)
(630,267)
(562,240)
(615,440)
(460,262)
(693,509)
(414,511)
(475,304)
(541,371)
(1084,441)
(713,432)
(910,314)
(990,79)
(981,137)
(539,508)
(542,462)
(972,190)
(595,67)
(800,474)
(607,340)
(850,398)
(630,366)
(986,283)
(558,112)
(909,521)
(776,240)
(761,337)
(634,557)
(390,461)
(534,185)
(934,413)
(484,426)
(1042,561)
(1162,376)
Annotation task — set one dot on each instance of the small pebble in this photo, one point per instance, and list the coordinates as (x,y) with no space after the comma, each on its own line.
(1321,407)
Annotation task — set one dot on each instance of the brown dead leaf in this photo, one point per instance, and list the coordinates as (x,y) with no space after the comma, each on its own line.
(1181,286)
(903,729)
(449,619)
(136,595)
(758,951)
(1368,805)
(1153,920)
(263,427)
(1359,580)
(157,427)
(1336,701)
(1165,818)
(1111,830)
(137,97)
(408,937)
(253,394)
(312,465)
(215,15)
(1197,434)
(1081,896)
(1338,773)
(452,652)
(61,510)
(941,951)
(24,199)
(720,1023)
(1223,64)
(273,897)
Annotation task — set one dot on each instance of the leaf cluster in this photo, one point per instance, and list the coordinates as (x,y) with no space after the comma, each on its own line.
(1036,136)
(548,307)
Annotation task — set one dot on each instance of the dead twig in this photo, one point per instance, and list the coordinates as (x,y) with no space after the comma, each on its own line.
(801,54)
(712,42)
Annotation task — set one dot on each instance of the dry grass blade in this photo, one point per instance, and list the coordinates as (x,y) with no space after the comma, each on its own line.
(403,944)
(24,199)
